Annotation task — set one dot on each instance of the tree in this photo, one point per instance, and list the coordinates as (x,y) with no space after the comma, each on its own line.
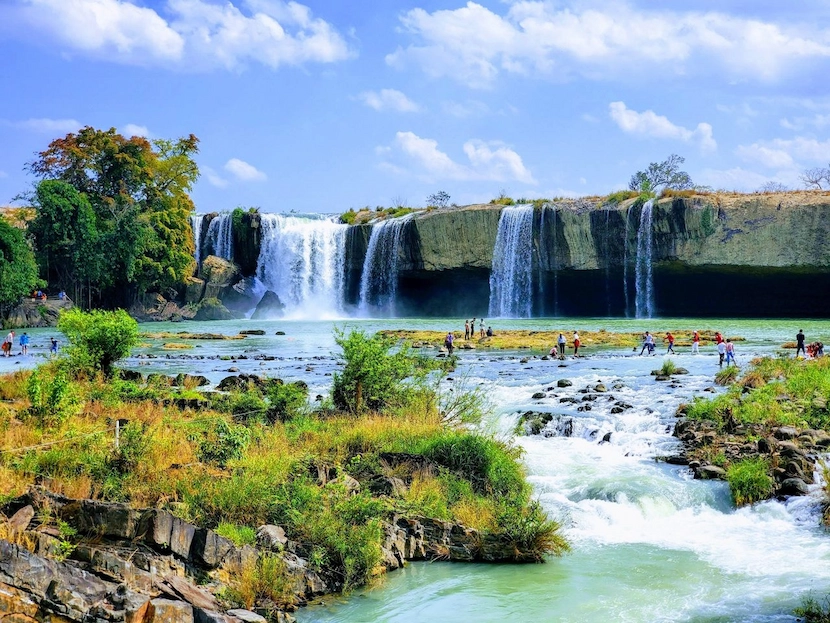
(138,193)
(439,199)
(98,338)
(18,269)
(773,187)
(814,178)
(660,175)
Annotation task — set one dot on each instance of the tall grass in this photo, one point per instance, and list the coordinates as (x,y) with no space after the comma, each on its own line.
(749,481)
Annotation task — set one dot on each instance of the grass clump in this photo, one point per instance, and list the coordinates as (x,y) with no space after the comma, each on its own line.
(812,610)
(749,481)
(621,195)
(265,583)
(727,376)
(240,535)
(668,368)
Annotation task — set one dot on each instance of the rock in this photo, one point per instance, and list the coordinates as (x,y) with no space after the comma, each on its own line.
(711,472)
(789,449)
(271,537)
(184,590)
(246,616)
(351,484)
(279,333)
(606,438)
(615,410)
(21,519)
(240,382)
(170,611)
(600,388)
(269,306)
(563,383)
(212,309)
(209,549)
(387,485)
(764,446)
(219,275)
(681,371)
(538,396)
(242,296)
(534,422)
(194,290)
(677,459)
(793,486)
(181,537)
(252,332)
(191,380)
(204,615)
(662,377)
(131,375)
(785,432)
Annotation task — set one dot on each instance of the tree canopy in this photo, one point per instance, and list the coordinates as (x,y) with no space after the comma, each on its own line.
(18,269)
(112,213)
(661,175)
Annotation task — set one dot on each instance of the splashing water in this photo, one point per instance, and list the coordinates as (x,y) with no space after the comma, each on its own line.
(196,221)
(219,236)
(644,281)
(511,279)
(379,279)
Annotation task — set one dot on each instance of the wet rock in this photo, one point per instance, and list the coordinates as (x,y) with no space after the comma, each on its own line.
(606,438)
(793,486)
(681,371)
(563,383)
(533,422)
(269,306)
(585,407)
(589,398)
(662,377)
(789,449)
(279,333)
(785,432)
(252,332)
(623,405)
(677,459)
(524,360)
(615,410)
(568,400)
(711,472)
(600,388)
(538,396)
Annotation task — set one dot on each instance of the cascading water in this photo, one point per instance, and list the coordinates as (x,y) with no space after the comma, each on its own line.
(196,221)
(379,279)
(625,262)
(219,236)
(644,275)
(302,259)
(607,250)
(511,278)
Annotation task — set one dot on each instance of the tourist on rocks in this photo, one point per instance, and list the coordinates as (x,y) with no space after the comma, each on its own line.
(721,352)
(561,341)
(554,352)
(730,353)
(8,343)
(799,340)
(53,347)
(670,339)
(24,344)
(576,343)
(648,343)
(696,343)
(481,328)
(448,342)
(489,331)
(466,329)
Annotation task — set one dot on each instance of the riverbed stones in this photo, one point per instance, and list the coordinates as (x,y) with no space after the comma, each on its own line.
(708,472)
(271,537)
(793,486)
(538,396)
(600,388)
(564,383)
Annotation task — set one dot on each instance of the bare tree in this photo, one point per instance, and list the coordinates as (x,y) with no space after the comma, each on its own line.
(814,178)
(399,201)
(440,199)
(773,187)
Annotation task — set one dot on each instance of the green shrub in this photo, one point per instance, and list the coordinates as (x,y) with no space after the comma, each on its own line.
(814,611)
(749,481)
(133,446)
(348,217)
(727,376)
(668,367)
(223,443)
(240,535)
(285,401)
(266,581)
(98,338)
(530,532)
(621,195)
(53,397)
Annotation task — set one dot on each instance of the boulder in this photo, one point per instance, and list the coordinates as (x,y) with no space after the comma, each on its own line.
(21,519)
(243,295)
(269,306)
(170,611)
(271,537)
(218,274)
(711,472)
(212,309)
(793,486)
(563,383)
(194,289)
(538,396)
(785,432)
(252,332)
(600,388)
(246,616)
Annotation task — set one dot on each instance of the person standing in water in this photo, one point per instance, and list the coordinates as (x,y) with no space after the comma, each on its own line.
(576,343)
(730,353)
(799,343)
(466,329)
(24,344)
(696,343)
(448,342)
(8,344)
(481,329)
(648,343)
(721,352)
(670,340)
(562,342)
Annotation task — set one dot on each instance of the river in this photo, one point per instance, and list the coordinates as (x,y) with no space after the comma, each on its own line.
(649,542)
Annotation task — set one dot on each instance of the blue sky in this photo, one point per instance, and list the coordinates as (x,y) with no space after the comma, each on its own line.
(325,105)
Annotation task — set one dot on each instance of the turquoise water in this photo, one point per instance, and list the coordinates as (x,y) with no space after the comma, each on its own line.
(649,542)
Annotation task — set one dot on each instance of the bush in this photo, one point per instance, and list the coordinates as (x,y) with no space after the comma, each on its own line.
(286,400)
(52,396)
(224,443)
(348,217)
(133,447)
(621,195)
(98,338)
(813,611)
(727,376)
(530,532)
(749,481)
(265,581)
(240,535)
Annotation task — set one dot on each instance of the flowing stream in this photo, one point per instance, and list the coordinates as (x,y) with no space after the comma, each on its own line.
(219,236)
(644,276)
(196,221)
(302,259)
(511,278)
(379,279)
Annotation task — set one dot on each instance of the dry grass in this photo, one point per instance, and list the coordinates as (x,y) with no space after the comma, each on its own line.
(190,336)
(177,346)
(475,513)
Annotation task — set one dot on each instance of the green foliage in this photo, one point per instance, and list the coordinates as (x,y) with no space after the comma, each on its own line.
(530,532)
(348,217)
(749,481)
(223,443)
(18,269)
(286,400)
(133,446)
(98,338)
(707,221)
(440,199)
(727,376)
(240,535)
(812,610)
(621,195)
(668,368)
(53,397)
(267,580)
(372,377)
(660,175)
(126,229)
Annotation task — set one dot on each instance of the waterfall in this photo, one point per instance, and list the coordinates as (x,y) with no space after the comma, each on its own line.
(644,277)
(625,261)
(607,250)
(303,260)
(540,277)
(379,278)
(511,287)
(196,225)
(220,236)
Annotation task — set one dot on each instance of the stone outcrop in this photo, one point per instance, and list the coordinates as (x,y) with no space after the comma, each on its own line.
(269,306)
(36,313)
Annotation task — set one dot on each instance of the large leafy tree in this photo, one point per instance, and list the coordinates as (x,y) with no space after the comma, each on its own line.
(660,175)
(138,194)
(18,269)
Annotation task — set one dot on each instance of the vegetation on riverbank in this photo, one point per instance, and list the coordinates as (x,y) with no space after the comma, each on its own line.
(259,454)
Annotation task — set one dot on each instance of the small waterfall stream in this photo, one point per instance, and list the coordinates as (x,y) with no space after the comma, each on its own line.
(219,236)
(196,221)
(379,278)
(302,259)
(511,278)
(627,311)
(644,281)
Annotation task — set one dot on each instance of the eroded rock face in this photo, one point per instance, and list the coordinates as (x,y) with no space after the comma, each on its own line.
(269,306)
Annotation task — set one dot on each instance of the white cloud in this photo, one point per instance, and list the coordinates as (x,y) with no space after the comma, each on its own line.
(474,44)
(491,161)
(792,153)
(243,171)
(198,34)
(388,99)
(798,124)
(48,126)
(650,124)
(132,129)
(213,177)
(743,180)
(470,108)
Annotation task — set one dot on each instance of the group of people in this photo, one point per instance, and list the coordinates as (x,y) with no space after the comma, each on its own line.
(812,350)
(23,341)
(470,329)
(558,349)
(725,347)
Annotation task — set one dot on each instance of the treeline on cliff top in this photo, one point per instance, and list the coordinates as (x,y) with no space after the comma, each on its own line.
(386,441)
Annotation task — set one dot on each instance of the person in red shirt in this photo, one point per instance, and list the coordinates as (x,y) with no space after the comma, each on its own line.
(670,339)
(718,337)
(696,343)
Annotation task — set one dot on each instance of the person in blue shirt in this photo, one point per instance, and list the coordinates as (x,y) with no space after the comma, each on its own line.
(24,343)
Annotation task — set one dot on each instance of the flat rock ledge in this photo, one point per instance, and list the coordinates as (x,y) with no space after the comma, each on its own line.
(148,566)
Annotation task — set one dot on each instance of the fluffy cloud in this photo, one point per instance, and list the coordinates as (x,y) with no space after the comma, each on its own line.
(199,34)
(650,124)
(792,153)
(491,161)
(388,99)
(742,180)
(213,178)
(798,124)
(47,126)
(243,171)
(473,44)
(132,129)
